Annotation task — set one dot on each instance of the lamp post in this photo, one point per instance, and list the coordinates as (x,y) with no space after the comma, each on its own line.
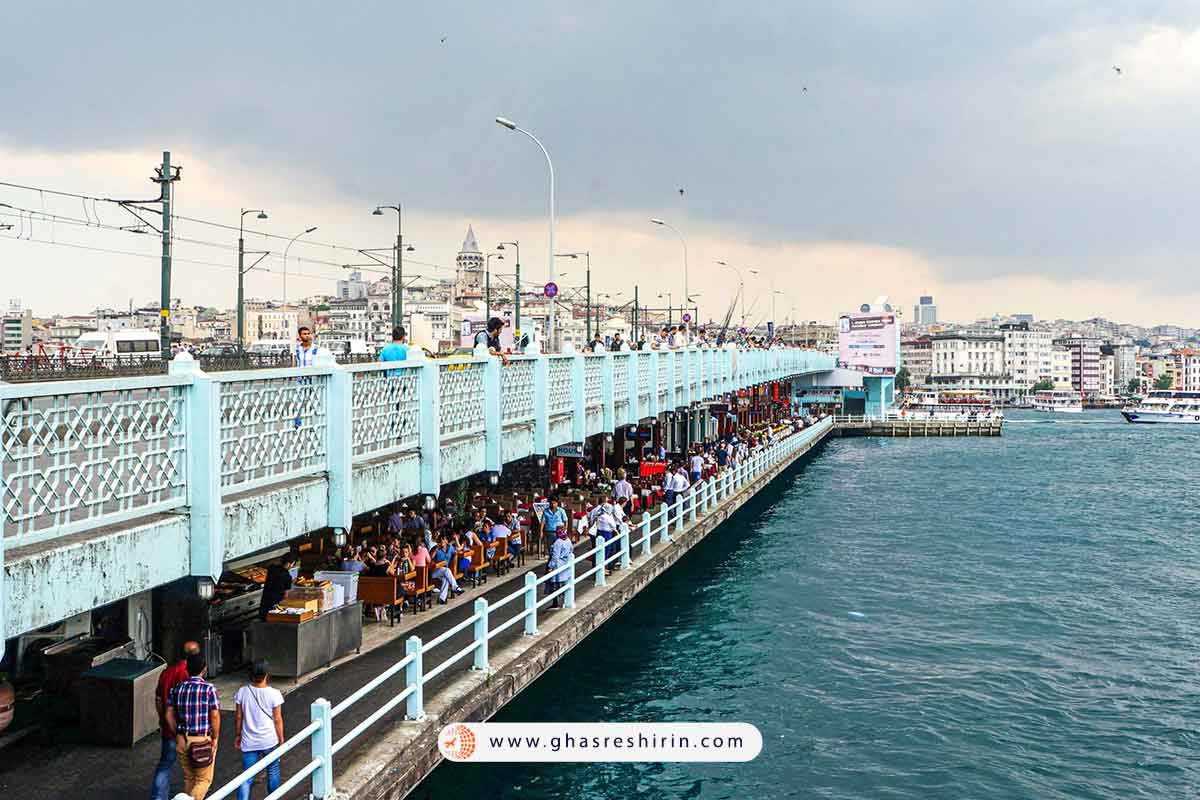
(741,287)
(670,308)
(588,316)
(682,241)
(516,290)
(695,310)
(512,126)
(487,284)
(285,252)
(397,265)
(774,325)
(241,292)
(600,305)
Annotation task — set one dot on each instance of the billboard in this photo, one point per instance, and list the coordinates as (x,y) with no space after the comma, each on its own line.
(869,342)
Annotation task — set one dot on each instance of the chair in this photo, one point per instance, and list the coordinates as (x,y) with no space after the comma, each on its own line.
(381,592)
(421,591)
(479,565)
(502,561)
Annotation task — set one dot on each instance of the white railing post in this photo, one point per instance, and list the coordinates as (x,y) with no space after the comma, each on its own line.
(608,403)
(598,560)
(493,424)
(692,501)
(625,534)
(206,518)
(645,525)
(664,533)
(569,594)
(678,509)
(481,634)
(339,438)
(541,407)
(530,604)
(414,678)
(429,432)
(322,748)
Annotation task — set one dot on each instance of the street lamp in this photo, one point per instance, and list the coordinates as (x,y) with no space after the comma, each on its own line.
(397,265)
(241,292)
(670,308)
(285,252)
(512,126)
(682,241)
(588,316)
(774,292)
(516,290)
(600,305)
(487,284)
(741,286)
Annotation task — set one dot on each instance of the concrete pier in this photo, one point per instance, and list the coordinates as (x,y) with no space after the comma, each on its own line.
(864,426)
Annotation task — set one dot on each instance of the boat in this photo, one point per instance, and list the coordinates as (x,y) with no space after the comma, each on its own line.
(1058,401)
(1166,406)
(948,405)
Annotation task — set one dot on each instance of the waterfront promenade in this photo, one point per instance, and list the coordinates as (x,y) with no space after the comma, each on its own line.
(383,756)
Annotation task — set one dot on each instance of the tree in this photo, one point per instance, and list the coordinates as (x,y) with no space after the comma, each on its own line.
(1044,385)
(1134,386)
(1164,381)
(903,378)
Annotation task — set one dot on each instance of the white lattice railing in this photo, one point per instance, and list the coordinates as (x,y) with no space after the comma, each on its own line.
(593,367)
(272,426)
(461,397)
(74,453)
(621,363)
(517,390)
(662,376)
(560,395)
(644,365)
(387,409)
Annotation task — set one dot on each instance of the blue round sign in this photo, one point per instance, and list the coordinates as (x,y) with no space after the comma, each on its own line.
(687,317)
(550,289)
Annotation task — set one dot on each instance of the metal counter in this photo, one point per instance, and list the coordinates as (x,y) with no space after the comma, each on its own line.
(294,649)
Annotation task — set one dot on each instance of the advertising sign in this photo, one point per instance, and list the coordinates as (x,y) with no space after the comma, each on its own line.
(574,450)
(869,343)
(473,324)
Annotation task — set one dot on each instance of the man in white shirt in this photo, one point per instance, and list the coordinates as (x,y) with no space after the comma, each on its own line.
(306,351)
(697,466)
(623,491)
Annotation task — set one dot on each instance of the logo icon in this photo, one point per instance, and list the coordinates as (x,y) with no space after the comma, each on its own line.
(457,742)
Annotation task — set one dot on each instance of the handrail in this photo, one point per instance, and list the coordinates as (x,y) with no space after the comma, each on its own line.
(319,731)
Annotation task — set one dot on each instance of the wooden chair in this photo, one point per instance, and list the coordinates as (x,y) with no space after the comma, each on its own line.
(479,565)
(381,592)
(421,591)
(502,561)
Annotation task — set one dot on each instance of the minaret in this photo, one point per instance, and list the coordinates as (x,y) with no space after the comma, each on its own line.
(469,269)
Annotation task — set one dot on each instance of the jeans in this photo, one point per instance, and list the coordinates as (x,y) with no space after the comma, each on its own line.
(160,789)
(249,759)
(447,580)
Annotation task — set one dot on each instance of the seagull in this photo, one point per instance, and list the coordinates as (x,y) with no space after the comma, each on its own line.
(681,192)
(804,88)
(1117,70)
(443,40)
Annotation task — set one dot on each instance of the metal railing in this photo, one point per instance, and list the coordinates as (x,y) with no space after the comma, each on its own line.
(482,622)
(81,454)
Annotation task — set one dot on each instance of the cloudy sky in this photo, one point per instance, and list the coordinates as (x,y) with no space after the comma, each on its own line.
(987,153)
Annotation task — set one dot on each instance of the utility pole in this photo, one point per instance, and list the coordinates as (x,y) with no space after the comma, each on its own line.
(635,313)
(242,270)
(165,177)
(516,291)
(589,297)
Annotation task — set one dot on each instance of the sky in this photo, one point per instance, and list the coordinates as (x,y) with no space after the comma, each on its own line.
(986,153)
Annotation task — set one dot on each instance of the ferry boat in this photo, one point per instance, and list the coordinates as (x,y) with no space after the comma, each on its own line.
(950,405)
(1166,406)
(1059,401)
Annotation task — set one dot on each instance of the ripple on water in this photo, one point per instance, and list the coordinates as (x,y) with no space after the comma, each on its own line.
(1031,630)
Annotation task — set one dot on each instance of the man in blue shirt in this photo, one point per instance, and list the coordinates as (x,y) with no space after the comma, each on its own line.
(553,518)
(398,349)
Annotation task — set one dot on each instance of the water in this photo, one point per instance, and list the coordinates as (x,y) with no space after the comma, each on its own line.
(992,618)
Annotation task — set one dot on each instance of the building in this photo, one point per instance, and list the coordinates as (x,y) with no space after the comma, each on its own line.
(1085,363)
(1108,375)
(916,356)
(272,323)
(925,311)
(469,270)
(352,288)
(16,329)
(1026,353)
(1060,368)
(1188,375)
(348,319)
(963,360)
(1124,363)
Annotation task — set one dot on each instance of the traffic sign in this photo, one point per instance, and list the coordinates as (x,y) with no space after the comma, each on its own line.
(687,317)
(550,289)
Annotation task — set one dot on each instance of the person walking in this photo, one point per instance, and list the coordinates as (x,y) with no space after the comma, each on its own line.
(258,718)
(168,679)
(194,719)
(554,519)
(305,351)
(560,556)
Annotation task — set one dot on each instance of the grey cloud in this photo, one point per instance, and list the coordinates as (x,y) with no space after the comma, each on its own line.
(926,127)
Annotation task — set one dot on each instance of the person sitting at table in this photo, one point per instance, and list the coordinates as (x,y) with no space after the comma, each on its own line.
(462,546)
(515,540)
(353,562)
(440,572)
(488,536)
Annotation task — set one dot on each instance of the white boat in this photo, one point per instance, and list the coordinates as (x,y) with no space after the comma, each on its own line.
(948,405)
(1058,401)
(1181,408)
(128,344)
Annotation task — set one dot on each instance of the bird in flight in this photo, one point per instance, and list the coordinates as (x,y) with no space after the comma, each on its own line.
(681,192)
(804,88)
(1117,70)
(443,40)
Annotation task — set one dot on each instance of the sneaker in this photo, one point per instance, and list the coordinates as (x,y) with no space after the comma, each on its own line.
(458,591)
(441,602)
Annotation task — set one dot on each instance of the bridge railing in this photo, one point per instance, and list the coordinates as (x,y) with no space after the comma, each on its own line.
(404,681)
(76,455)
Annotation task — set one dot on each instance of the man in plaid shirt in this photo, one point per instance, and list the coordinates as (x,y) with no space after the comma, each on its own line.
(194,714)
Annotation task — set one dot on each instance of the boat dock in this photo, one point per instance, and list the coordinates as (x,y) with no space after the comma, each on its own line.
(855,425)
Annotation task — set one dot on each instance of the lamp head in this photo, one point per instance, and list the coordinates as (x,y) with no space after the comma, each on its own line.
(310,230)
(262,215)
(657,221)
(500,246)
(378,212)
(506,123)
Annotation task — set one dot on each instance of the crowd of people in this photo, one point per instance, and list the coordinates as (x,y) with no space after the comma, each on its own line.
(675,337)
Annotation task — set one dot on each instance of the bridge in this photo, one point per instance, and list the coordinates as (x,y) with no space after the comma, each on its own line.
(114,486)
